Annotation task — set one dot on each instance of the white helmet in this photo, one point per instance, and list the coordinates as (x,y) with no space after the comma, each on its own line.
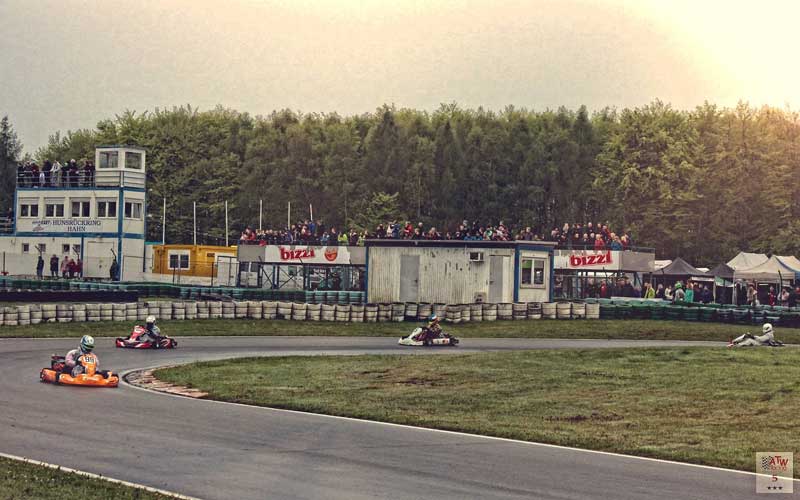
(767,328)
(151,320)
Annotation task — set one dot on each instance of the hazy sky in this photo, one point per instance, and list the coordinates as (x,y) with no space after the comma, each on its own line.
(67,64)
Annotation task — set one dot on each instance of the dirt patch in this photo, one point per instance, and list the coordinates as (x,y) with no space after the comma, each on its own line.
(593,417)
(147,380)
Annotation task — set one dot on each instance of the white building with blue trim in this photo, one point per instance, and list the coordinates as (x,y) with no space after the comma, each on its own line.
(96,216)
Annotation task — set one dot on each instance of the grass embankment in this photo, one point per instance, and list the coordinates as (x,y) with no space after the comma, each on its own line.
(577,329)
(700,405)
(24,481)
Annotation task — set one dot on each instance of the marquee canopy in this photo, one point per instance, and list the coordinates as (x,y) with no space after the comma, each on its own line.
(747,260)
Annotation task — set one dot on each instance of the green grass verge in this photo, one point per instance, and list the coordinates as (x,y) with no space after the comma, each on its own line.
(578,329)
(700,405)
(24,481)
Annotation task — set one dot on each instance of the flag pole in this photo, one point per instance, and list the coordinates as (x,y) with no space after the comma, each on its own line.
(194,217)
(289,216)
(164,222)
(260,213)
(226,223)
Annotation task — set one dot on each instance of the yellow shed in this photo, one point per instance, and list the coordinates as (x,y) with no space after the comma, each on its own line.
(190,260)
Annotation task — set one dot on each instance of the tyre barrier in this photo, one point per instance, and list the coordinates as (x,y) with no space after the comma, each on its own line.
(519,311)
(453,314)
(384,312)
(489,312)
(270,309)
(466,313)
(398,312)
(299,311)
(24,315)
(424,311)
(412,310)
(328,312)
(49,313)
(79,313)
(255,310)
(36,314)
(284,310)
(534,310)
(563,310)
(314,312)
(505,311)
(33,314)
(342,312)
(131,311)
(178,311)
(191,310)
(215,310)
(476,312)
(240,310)
(371,313)
(164,310)
(357,313)
(439,310)
(10,316)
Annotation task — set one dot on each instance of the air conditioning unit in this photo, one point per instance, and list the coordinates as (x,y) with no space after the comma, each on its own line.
(476,256)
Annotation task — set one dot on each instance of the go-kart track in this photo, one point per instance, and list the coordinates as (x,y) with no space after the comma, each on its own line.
(215,450)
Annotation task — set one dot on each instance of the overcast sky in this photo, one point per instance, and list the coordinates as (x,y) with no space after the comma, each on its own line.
(67,64)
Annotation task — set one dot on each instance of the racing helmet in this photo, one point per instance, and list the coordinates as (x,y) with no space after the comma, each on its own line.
(767,328)
(87,344)
(433,318)
(151,320)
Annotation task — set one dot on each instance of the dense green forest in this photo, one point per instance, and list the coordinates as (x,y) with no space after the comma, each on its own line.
(702,184)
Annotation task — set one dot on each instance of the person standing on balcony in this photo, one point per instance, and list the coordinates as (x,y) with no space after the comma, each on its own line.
(40,267)
(55,174)
(65,266)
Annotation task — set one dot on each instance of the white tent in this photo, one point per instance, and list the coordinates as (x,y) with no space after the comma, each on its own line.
(747,260)
(773,270)
(790,261)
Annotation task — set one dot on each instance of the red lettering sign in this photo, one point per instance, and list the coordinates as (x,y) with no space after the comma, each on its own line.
(296,254)
(600,259)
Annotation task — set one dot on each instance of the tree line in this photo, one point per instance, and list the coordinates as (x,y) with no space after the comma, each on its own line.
(702,184)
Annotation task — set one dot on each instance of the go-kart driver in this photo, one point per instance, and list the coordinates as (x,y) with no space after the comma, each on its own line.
(432,330)
(71,364)
(748,339)
(151,332)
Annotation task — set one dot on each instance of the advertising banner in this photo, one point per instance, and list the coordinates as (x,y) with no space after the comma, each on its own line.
(302,254)
(87,225)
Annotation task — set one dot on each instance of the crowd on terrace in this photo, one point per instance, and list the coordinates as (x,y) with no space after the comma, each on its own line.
(54,174)
(589,236)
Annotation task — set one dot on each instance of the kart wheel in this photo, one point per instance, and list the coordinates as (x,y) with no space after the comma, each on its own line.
(427,343)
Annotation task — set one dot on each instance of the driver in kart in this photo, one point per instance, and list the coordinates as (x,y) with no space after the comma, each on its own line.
(748,339)
(432,331)
(71,364)
(151,332)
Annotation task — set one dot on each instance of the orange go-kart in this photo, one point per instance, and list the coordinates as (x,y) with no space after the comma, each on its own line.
(91,376)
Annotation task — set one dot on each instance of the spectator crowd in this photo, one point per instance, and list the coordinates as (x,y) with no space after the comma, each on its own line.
(586,236)
(54,174)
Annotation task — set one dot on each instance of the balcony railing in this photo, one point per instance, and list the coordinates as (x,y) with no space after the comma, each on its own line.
(81,179)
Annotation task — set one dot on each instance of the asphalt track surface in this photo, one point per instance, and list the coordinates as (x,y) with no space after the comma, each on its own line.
(224,451)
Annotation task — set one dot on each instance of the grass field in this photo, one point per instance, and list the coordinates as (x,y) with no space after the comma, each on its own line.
(611,329)
(700,405)
(24,481)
